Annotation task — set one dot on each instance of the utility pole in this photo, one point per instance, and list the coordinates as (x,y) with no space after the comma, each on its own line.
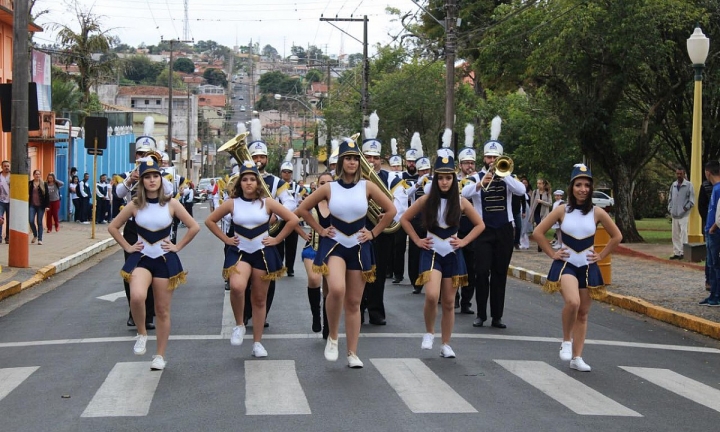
(450,48)
(18,255)
(365,101)
(170,97)
(188,177)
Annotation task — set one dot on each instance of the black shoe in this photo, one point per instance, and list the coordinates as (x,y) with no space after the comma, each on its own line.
(291,273)
(676,257)
(131,322)
(478,322)
(417,290)
(378,322)
(266,325)
(150,325)
(497,323)
(389,276)
(466,310)
(397,280)
(227,285)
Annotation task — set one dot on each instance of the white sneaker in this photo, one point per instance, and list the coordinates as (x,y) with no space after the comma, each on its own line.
(566,351)
(578,364)
(140,342)
(331,349)
(427,342)
(237,335)
(353,361)
(259,350)
(158,363)
(447,352)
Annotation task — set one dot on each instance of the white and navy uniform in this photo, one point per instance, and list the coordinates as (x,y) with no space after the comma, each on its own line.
(289,245)
(415,191)
(468,290)
(348,206)
(251,221)
(102,207)
(494,246)
(578,239)
(153,226)
(442,256)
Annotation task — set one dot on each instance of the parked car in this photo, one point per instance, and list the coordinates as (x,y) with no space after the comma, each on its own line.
(603,200)
(242,108)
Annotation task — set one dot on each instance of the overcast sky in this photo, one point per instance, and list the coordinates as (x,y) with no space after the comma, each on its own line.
(280,23)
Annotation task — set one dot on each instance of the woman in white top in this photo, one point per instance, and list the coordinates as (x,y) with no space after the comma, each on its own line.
(345,255)
(153,260)
(74,197)
(251,255)
(442,265)
(574,271)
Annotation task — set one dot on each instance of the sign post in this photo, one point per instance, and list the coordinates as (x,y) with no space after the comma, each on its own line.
(96,130)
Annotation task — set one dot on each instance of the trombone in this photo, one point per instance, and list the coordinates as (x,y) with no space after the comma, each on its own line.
(502,167)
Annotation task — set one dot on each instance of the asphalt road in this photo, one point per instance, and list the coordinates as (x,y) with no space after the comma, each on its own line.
(66,364)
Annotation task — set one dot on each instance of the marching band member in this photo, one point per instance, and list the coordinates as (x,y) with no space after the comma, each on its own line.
(467,157)
(442,265)
(278,191)
(418,167)
(574,270)
(321,213)
(152,260)
(251,255)
(491,196)
(332,159)
(345,255)
(297,192)
(396,255)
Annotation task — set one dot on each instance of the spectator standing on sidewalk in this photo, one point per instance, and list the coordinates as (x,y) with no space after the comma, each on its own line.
(540,203)
(102,209)
(680,200)
(712,234)
(574,270)
(5,198)
(74,188)
(53,214)
(38,201)
(83,192)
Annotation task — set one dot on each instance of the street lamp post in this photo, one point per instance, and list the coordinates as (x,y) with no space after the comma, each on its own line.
(698,46)
(307,107)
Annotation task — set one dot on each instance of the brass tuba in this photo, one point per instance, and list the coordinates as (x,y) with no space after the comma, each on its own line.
(237,147)
(374,212)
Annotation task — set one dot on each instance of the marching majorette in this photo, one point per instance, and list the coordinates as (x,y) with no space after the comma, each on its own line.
(466,157)
(125,190)
(298,193)
(491,196)
(442,265)
(152,259)
(279,191)
(251,256)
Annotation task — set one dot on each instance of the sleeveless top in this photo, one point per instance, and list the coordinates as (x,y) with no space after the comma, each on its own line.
(251,221)
(348,206)
(442,233)
(153,226)
(578,235)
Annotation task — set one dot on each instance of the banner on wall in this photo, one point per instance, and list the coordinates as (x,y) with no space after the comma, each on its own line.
(41,74)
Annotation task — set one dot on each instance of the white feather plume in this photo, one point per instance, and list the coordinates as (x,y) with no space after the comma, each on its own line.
(241,128)
(469,135)
(161,146)
(148,126)
(579,165)
(393,146)
(372,131)
(495,128)
(289,155)
(416,143)
(446,138)
(256,129)
(334,145)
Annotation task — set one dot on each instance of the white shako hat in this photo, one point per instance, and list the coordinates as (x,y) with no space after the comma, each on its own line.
(493,147)
(287,164)
(395,158)
(371,146)
(145,142)
(334,146)
(468,153)
(257,146)
(445,150)
(415,150)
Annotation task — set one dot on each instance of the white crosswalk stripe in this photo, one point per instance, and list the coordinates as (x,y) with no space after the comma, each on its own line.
(679,384)
(570,392)
(10,378)
(420,388)
(272,387)
(127,391)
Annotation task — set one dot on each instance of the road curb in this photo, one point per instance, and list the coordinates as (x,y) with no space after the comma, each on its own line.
(14,287)
(634,304)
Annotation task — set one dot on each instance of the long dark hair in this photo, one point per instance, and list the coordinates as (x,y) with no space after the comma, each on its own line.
(572,201)
(452,210)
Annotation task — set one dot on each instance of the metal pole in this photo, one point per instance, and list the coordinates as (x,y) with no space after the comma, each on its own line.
(366,72)
(170,97)
(694,229)
(94,207)
(18,253)
(450,67)
(189,163)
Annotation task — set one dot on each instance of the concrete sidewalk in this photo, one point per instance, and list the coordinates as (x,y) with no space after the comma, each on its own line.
(60,250)
(643,280)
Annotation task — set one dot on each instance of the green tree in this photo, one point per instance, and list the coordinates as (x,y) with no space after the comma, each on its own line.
(184,64)
(65,94)
(162,80)
(269,51)
(215,77)
(355,59)
(80,47)
(141,70)
(314,75)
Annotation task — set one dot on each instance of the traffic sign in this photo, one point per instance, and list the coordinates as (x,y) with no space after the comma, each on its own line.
(92,151)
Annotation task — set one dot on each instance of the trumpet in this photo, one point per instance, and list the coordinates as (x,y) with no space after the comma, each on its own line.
(502,167)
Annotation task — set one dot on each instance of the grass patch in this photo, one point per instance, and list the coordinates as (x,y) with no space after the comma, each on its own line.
(654,224)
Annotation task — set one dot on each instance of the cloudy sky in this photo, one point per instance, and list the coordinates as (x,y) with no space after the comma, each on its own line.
(280,23)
